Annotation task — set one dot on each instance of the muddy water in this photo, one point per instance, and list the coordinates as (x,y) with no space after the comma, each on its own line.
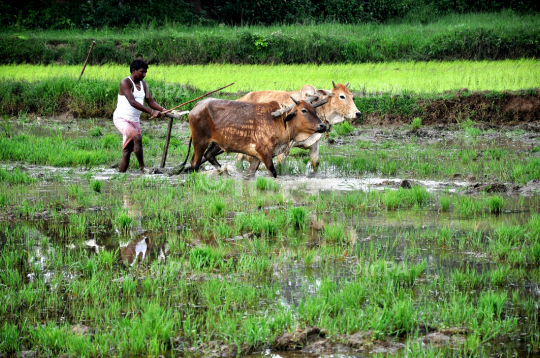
(389,232)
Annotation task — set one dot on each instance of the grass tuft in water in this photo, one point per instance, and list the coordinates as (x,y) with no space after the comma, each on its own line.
(343,128)
(204,258)
(445,203)
(298,217)
(96,131)
(96,186)
(123,220)
(495,204)
(266,184)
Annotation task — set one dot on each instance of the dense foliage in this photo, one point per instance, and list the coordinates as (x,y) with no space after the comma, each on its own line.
(504,35)
(114,13)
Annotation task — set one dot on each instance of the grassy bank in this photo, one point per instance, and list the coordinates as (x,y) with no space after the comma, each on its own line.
(400,89)
(372,78)
(476,37)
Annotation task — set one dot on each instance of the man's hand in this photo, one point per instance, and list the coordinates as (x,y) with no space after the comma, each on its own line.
(157,114)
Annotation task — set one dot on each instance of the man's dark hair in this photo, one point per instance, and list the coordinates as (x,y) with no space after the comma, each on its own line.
(137,65)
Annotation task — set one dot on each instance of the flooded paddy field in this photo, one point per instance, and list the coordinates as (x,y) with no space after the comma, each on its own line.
(405,242)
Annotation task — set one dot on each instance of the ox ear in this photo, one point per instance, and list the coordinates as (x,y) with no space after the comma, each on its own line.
(289,117)
(322,92)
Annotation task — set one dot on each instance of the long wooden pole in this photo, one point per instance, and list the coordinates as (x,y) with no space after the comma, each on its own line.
(87,58)
(169,129)
(193,100)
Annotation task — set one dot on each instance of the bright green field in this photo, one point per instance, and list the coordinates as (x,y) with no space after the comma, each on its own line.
(420,77)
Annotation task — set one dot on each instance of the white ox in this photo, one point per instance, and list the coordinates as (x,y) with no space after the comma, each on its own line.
(340,106)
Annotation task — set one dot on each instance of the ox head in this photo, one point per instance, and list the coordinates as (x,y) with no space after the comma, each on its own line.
(302,119)
(340,104)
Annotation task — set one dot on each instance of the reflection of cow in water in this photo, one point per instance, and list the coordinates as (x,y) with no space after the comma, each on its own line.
(134,250)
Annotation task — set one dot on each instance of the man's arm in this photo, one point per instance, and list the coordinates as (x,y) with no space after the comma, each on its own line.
(125,89)
(153,104)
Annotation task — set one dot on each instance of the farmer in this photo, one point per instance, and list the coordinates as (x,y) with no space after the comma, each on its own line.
(133,90)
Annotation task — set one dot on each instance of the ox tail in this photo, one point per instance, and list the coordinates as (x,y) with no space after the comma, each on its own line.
(181,167)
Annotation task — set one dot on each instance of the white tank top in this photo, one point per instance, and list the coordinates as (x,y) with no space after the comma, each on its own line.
(127,111)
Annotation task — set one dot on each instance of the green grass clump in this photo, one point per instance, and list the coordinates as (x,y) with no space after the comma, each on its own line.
(96,185)
(298,217)
(495,204)
(15,176)
(9,338)
(343,128)
(96,131)
(204,258)
(416,123)
(4,200)
(468,206)
(216,207)
(394,199)
(335,233)
(266,184)
(445,203)
(123,220)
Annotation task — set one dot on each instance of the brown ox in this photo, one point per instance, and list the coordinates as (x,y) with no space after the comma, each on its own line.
(260,130)
(340,107)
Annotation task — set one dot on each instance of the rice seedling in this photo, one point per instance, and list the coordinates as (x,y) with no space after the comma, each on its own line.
(7,127)
(15,176)
(129,285)
(216,207)
(391,199)
(343,128)
(500,275)
(466,280)
(298,217)
(266,184)
(445,203)
(107,258)
(416,123)
(223,230)
(468,206)
(204,258)
(335,233)
(123,220)
(96,131)
(495,204)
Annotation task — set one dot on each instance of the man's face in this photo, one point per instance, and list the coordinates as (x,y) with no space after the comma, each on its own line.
(139,74)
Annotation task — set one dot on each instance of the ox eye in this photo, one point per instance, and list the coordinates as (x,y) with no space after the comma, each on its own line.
(304,111)
(342,97)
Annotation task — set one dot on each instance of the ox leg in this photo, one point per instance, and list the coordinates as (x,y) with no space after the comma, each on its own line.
(314,155)
(253,166)
(270,166)
(211,153)
(198,154)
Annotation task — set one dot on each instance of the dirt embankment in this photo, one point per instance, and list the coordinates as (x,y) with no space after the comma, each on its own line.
(489,108)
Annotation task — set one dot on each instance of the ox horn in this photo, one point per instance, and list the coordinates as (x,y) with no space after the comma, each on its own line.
(311,99)
(280,112)
(334,84)
(319,103)
(295,101)
(347,84)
